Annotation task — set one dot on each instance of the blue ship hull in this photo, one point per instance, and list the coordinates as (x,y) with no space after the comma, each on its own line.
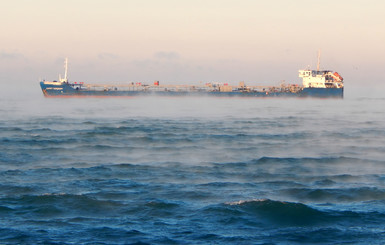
(69,90)
(322,92)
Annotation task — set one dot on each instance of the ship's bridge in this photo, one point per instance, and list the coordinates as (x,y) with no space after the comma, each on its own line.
(320,79)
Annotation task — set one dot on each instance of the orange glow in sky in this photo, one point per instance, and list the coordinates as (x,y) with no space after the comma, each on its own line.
(224,40)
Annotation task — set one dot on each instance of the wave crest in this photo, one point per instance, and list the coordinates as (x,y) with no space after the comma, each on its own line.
(281,212)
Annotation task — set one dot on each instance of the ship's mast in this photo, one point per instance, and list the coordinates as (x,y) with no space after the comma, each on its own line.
(66,70)
(319,58)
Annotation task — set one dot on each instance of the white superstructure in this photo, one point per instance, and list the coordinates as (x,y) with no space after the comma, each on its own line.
(320,79)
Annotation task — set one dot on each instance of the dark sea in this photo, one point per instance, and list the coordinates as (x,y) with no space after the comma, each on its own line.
(192,170)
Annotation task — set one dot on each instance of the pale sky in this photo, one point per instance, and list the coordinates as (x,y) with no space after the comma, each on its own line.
(188,41)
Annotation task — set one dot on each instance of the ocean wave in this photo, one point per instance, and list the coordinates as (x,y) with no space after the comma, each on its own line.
(114,235)
(11,189)
(299,161)
(280,211)
(5,210)
(162,205)
(13,236)
(154,210)
(303,168)
(264,213)
(336,195)
(297,214)
(216,185)
(332,160)
(37,141)
(11,129)
(119,130)
(53,204)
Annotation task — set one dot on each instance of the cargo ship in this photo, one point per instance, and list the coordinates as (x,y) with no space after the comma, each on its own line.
(315,83)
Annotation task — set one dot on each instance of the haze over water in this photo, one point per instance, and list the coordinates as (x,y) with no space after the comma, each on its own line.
(161,170)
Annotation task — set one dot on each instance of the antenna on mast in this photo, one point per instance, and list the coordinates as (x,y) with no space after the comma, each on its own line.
(319,58)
